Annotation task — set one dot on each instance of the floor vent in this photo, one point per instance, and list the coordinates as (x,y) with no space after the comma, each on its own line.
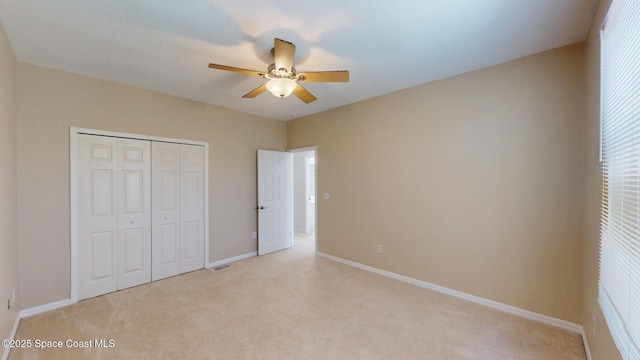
(221,267)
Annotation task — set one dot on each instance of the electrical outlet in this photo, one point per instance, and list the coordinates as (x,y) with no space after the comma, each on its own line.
(254,235)
(379,249)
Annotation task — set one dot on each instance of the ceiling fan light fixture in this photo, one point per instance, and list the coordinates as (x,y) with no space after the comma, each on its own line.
(283,79)
(281,87)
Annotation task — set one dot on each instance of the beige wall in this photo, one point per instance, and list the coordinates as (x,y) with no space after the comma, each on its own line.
(473,182)
(51,101)
(8,186)
(600,343)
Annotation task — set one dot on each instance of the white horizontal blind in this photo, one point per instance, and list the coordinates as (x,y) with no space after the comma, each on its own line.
(620,213)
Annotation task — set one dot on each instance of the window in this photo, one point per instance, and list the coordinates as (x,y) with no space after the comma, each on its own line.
(620,214)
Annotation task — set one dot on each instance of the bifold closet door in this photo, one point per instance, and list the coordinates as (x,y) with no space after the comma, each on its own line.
(134,218)
(178,209)
(114,214)
(166,209)
(191,207)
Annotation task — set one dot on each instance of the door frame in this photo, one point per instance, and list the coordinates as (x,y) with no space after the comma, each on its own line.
(314,149)
(73,190)
(307,193)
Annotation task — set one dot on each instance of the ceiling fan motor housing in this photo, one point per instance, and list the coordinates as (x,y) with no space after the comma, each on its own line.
(282,73)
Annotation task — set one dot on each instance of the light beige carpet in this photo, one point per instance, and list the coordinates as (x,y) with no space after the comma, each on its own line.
(290,305)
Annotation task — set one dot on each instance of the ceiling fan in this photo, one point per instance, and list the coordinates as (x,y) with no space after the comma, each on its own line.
(283,77)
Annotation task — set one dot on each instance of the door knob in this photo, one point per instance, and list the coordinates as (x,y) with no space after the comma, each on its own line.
(262,207)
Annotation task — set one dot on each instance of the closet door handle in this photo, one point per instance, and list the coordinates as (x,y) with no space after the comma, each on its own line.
(262,207)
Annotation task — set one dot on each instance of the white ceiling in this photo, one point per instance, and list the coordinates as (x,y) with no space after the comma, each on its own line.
(387,45)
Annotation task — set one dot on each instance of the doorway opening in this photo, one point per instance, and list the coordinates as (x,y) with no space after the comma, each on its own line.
(304,199)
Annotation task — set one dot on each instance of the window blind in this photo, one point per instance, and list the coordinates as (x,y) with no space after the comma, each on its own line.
(619,295)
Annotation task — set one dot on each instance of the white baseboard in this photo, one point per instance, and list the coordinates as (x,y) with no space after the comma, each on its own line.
(562,324)
(12,335)
(586,344)
(232,259)
(44,308)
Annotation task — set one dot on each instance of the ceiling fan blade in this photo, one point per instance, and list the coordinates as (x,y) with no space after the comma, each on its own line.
(303,94)
(324,76)
(255,92)
(235,69)
(283,51)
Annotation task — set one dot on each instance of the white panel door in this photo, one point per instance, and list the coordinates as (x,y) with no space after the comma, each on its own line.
(275,201)
(191,207)
(166,209)
(114,214)
(97,216)
(178,209)
(134,215)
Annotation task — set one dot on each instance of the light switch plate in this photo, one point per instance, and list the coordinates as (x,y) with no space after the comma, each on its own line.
(325,196)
